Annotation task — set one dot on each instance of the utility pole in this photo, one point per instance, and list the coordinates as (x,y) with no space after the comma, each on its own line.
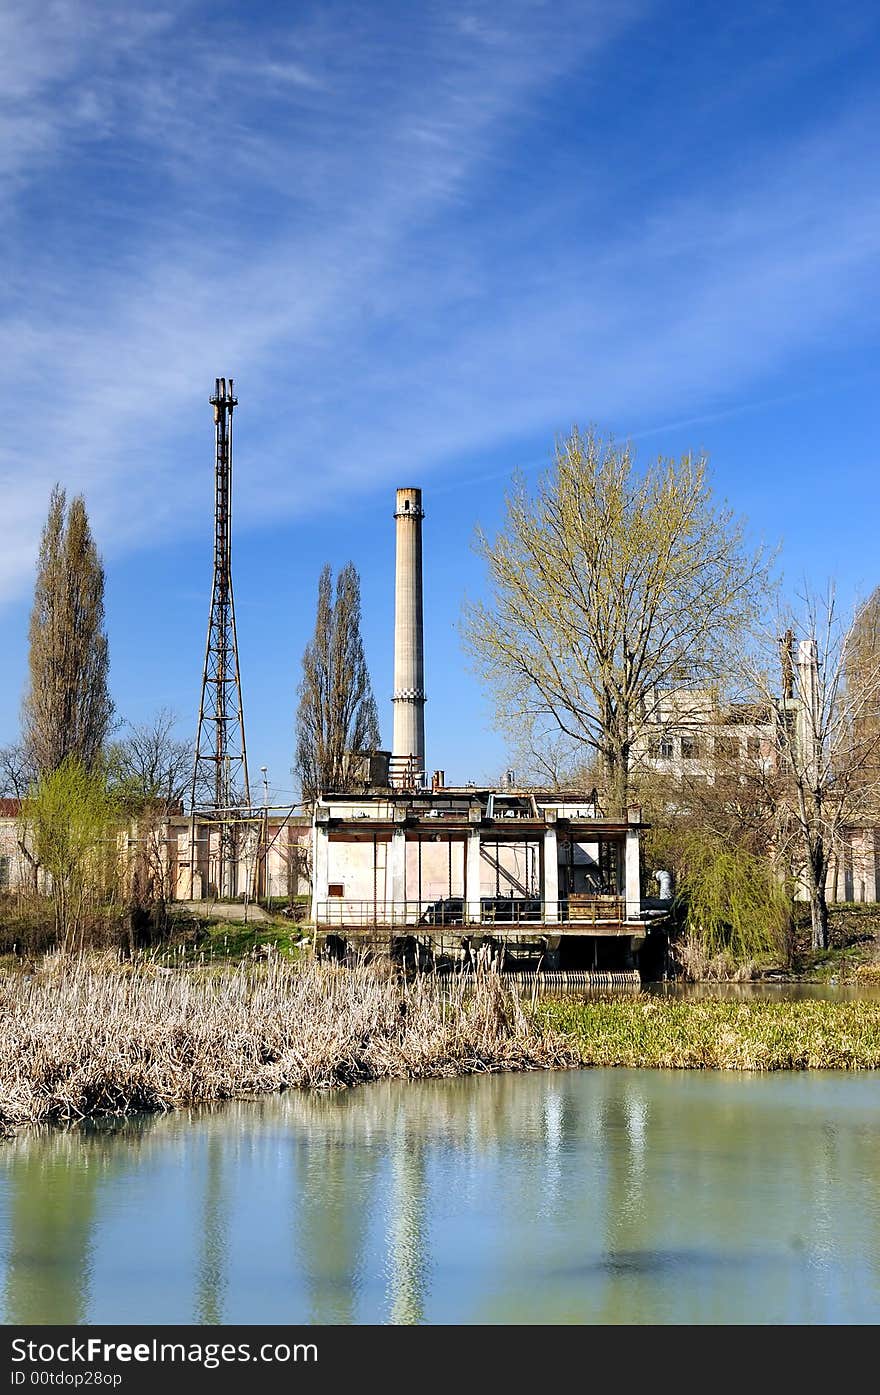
(220,788)
(265,828)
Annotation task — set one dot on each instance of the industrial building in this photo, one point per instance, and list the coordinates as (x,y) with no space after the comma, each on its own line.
(272,855)
(461,873)
(527,875)
(689,737)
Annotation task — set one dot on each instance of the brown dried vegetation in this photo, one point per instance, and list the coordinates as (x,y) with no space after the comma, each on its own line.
(79,1040)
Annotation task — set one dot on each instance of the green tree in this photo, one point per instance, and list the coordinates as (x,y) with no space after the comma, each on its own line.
(71,821)
(67,708)
(606,589)
(337,711)
(736,907)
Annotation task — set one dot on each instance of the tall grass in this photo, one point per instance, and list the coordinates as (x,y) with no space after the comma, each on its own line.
(713,1033)
(77,1041)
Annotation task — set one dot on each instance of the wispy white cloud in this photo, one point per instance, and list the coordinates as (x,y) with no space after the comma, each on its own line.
(308,205)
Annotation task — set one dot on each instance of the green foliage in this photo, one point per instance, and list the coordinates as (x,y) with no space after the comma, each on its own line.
(607,585)
(733,901)
(71,817)
(716,1034)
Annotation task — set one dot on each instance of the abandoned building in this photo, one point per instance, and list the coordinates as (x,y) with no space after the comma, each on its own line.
(690,737)
(525,875)
(271,859)
(461,872)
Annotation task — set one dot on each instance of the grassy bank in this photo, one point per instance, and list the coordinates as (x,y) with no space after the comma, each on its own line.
(78,1041)
(711,1033)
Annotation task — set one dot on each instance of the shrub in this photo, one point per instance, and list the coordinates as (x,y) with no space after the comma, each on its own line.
(733,903)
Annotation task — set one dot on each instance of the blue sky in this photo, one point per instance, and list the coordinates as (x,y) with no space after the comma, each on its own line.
(424,240)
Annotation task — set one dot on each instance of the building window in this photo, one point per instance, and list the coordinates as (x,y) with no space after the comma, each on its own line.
(727,747)
(691,748)
(753,746)
(785,739)
(661,748)
(336,889)
(4,873)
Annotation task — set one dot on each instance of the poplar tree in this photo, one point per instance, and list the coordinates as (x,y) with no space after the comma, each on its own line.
(67,708)
(337,711)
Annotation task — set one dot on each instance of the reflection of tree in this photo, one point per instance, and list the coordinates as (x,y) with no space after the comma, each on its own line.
(344,1144)
(51,1213)
(211,1274)
(52,1182)
(336,1168)
(585,1197)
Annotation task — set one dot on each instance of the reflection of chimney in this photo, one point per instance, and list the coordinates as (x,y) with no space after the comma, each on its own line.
(408,747)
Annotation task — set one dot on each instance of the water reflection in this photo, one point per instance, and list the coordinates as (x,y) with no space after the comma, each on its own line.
(51,1182)
(407,1248)
(590,1196)
(212,1266)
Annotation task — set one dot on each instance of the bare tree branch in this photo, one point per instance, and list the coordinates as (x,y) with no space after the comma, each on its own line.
(607,588)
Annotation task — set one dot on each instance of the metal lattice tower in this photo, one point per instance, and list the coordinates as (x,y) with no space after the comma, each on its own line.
(220,789)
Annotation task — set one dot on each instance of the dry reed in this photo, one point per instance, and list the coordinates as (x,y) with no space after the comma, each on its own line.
(78,1041)
(697,965)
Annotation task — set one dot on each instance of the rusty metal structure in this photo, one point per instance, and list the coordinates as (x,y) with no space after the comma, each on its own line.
(220,789)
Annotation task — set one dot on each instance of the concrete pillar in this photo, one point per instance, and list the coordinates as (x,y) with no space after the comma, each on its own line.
(550,889)
(409,647)
(871,850)
(473,908)
(807,694)
(320,866)
(397,877)
(632,883)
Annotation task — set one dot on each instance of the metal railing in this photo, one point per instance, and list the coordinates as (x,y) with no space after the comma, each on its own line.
(453,911)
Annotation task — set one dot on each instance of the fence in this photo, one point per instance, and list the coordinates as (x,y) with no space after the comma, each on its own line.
(583,911)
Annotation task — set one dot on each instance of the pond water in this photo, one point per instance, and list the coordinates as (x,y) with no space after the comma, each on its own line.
(604,1196)
(775,990)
